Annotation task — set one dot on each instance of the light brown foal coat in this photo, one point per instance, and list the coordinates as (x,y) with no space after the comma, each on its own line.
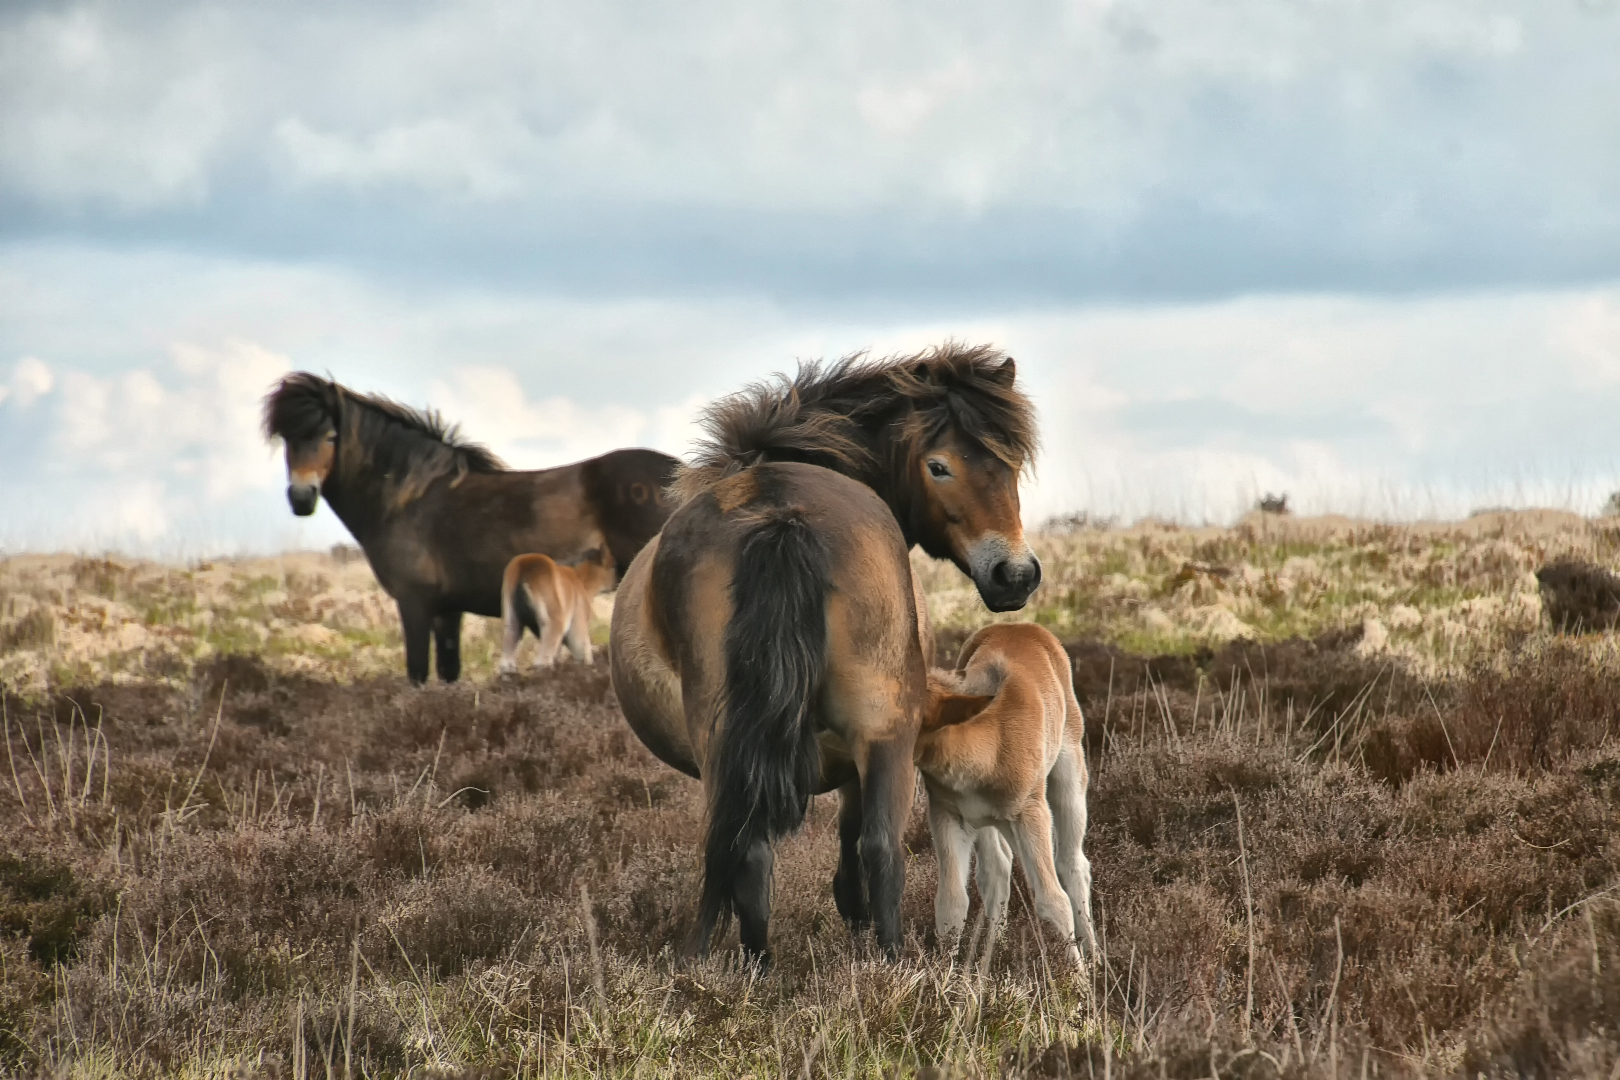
(554,601)
(1001,755)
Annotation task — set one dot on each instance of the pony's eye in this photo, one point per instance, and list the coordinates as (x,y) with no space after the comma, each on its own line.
(331,436)
(938,469)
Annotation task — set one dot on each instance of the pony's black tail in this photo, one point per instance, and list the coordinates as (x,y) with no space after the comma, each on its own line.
(765,763)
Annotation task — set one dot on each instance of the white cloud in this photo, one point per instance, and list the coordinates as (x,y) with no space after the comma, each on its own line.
(555,430)
(143,427)
(31,379)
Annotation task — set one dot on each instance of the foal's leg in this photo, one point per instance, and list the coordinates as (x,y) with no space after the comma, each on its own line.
(417,626)
(512,621)
(579,632)
(447,645)
(849,884)
(994,877)
(1066,795)
(1031,836)
(953,848)
(553,624)
(888,781)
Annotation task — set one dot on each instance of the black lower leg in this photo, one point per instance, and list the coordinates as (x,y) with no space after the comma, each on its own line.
(751,898)
(417,627)
(886,791)
(447,646)
(849,883)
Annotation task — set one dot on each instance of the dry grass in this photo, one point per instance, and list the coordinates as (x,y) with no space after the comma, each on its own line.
(247,861)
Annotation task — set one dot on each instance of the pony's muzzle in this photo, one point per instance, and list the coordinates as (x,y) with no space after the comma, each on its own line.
(302,498)
(1011,583)
(1005,575)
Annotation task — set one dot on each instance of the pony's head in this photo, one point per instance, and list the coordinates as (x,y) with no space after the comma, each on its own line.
(965,441)
(303,411)
(943,436)
(401,450)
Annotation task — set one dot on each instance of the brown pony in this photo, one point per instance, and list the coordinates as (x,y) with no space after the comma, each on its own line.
(438,517)
(553,602)
(770,639)
(1001,755)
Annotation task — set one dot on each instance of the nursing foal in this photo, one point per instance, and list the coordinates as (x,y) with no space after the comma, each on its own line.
(1000,753)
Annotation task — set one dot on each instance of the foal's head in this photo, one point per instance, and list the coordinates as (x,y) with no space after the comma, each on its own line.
(302,411)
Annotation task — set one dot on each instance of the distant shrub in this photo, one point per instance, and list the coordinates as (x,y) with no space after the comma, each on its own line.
(33,630)
(345,553)
(1611,506)
(1273,504)
(1579,596)
(1076,521)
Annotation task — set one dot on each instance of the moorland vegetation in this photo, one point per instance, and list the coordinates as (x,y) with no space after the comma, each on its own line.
(1354,808)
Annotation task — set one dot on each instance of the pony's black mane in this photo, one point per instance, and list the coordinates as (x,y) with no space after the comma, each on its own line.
(851,414)
(409,448)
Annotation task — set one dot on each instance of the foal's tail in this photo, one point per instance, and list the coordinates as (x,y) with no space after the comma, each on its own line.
(764,763)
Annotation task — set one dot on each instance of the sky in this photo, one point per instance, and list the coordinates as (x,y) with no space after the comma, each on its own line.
(1365,252)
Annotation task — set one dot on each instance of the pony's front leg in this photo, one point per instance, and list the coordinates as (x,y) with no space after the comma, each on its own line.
(888,782)
(849,883)
(417,626)
(447,645)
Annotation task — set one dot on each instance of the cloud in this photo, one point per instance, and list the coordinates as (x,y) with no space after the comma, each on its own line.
(1102,149)
(30,380)
(555,430)
(133,420)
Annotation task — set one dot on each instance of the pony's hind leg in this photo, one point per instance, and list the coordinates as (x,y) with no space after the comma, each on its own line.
(849,883)
(993,874)
(447,645)
(953,848)
(1031,837)
(888,782)
(1066,795)
(751,899)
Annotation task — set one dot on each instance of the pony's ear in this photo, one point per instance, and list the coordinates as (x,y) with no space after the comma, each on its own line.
(947,709)
(1006,373)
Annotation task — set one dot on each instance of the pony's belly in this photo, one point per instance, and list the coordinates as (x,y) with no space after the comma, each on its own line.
(647,686)
(975,809)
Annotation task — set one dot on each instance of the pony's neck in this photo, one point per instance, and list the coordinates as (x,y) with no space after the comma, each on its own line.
(357,503)
(355,493)
(890,477)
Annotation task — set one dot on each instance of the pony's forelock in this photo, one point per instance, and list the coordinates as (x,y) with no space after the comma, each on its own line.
(829,413)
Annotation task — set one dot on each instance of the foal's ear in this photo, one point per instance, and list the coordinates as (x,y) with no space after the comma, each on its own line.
(1006,373)
(947,709)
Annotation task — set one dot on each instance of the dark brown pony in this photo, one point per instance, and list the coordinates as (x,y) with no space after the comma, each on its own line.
(439,517)
(771,639)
